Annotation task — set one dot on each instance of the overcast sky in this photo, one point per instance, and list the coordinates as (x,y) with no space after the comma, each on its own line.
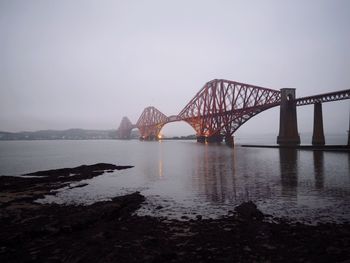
(86,64)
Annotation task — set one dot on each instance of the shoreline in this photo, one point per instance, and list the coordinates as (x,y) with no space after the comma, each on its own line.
(109,231)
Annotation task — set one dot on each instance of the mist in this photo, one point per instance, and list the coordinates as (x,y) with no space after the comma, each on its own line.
(86,64)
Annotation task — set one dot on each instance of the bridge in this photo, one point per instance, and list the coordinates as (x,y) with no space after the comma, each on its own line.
(222,106)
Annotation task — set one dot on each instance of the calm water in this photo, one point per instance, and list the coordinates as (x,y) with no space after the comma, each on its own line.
(185,178)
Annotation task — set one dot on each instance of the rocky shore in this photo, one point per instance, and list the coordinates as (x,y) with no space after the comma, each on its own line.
(111,232)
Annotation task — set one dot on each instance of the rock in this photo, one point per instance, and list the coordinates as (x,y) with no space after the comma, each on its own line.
(249,211)
(151,241)
(333,250)
(168,256)
(247,249)
(3,250)
(269,247)
(50,229)
(78,186)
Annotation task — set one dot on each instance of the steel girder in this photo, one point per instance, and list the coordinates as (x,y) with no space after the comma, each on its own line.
(219,109)
(150,123)
(222,106)
(326,97)
(125,128)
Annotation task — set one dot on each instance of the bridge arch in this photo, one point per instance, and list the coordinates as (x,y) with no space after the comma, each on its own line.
(222,106)
(177,128)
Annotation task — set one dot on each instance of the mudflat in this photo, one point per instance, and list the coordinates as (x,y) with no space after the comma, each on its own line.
(110,231)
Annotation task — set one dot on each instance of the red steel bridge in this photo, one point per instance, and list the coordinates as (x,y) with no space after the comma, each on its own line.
(222,106)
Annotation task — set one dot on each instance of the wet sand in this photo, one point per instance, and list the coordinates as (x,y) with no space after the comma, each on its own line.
(111,232)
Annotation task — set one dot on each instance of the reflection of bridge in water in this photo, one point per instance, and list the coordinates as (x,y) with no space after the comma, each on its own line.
(222,106)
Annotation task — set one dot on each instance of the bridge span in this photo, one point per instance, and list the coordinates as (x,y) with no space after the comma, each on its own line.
(222,106)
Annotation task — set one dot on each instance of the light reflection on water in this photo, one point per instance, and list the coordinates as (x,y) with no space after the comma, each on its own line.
(186,178)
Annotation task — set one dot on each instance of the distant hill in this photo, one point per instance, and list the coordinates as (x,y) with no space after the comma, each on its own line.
(71,134)
(189,137)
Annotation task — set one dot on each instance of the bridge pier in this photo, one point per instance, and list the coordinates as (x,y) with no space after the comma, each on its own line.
(318,133)
(149,138)
(215,139)
(229,141)
(288,133)
(210,139)
(201,139)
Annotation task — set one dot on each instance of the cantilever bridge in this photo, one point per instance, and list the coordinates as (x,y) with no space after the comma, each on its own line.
(222,106)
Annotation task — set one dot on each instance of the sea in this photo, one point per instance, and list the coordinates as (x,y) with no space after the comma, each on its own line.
(185,179)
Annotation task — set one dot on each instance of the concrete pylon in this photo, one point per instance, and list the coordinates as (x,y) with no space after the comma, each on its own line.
(318,134)
(288,134)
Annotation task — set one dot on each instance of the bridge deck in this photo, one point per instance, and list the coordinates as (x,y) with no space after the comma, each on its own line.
(326,97)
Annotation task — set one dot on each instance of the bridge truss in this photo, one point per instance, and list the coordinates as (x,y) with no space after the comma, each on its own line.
(222,106)
(125,128)
(219,109)
(150,123)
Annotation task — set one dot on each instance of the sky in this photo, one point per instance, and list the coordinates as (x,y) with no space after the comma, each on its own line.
(86,64)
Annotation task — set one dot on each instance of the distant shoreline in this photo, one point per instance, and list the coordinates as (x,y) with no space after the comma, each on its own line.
(73,134)
(70,134)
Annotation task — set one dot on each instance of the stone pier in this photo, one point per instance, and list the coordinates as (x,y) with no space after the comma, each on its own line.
(201,139)
(288,133)
(215,139)
(318,133)
(210,139)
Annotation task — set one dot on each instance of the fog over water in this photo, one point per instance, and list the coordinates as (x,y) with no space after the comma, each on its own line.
(86,64)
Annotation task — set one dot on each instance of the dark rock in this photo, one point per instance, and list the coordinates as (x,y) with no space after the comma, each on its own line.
(198,217)
(168,256)
(78,186)
(249,211)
